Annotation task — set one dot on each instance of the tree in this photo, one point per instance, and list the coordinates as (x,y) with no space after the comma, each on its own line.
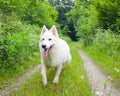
(64,6)
(89,15)
(109,14)
(32,11)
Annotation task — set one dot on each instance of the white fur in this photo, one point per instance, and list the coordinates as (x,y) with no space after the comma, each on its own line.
(58,54)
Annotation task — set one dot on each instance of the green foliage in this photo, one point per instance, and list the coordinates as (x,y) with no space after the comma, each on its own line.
(89,15)
(66,38)
(83,16)
(40,12)
(33,11)
(17,42)
(63,6)
(107,43)
(108,14)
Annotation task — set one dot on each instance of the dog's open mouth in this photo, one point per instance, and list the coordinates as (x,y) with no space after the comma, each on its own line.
(46,51)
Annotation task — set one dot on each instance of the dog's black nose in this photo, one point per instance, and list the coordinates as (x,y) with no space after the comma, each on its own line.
(44,46)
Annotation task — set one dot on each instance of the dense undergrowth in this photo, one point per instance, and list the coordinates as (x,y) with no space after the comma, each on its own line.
(107,42)
(18,43)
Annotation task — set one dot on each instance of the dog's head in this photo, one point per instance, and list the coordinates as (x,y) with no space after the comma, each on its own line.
(47,39)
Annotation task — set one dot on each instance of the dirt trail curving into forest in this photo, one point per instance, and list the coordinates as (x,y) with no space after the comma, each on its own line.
(6,90)
(100,83)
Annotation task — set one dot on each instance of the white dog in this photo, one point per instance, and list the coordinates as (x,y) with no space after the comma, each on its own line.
(55,52)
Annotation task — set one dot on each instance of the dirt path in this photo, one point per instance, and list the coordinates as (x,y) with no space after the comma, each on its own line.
(6,90)
(100,84)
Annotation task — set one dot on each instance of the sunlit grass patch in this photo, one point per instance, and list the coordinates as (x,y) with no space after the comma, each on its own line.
(73,81)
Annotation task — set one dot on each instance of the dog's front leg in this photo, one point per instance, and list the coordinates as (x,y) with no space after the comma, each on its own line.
(43,73)
(59,69)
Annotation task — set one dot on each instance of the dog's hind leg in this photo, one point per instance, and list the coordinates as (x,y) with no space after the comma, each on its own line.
(59,69)
(43,73)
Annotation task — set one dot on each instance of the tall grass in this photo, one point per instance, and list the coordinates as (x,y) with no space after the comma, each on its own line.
(105,50)
(73,81)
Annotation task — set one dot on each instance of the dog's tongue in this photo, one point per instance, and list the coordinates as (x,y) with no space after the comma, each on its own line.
(45,53)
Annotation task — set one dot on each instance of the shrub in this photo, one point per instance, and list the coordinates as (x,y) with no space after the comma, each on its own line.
(107,42)
(18,41)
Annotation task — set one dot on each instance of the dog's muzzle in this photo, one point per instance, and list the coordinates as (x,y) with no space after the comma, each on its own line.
(46,50)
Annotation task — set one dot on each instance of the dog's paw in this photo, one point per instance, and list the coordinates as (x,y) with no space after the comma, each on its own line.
(44,83)
(55,81)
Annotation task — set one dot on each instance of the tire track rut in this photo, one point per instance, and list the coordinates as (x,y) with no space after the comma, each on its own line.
(99,82)
(6,90)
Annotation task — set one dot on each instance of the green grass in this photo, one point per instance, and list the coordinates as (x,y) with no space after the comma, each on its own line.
(73,81)
(11,74)
(109,65)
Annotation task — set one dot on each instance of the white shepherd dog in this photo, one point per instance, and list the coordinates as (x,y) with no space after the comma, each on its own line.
(55,52)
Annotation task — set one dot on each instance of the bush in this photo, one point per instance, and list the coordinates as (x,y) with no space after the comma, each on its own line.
(66,38)
(107,42)
(18,41)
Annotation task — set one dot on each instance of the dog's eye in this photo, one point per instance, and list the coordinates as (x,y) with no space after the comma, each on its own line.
(50,39)
(43,39)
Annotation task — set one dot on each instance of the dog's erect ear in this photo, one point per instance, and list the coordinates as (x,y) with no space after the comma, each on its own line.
(44,29)
(54,31)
